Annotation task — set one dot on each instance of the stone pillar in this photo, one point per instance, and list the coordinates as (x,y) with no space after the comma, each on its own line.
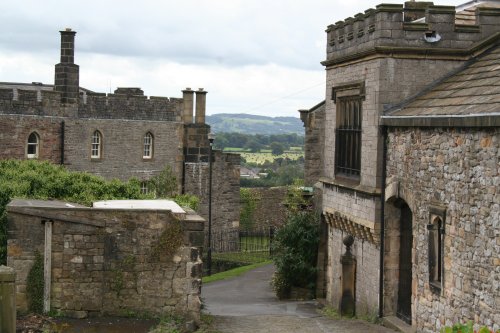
(7,300)
(67,74)
(201,97)
(188,99)
(348,261)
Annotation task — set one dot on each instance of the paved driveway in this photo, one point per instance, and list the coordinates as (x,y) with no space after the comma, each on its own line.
(247,304)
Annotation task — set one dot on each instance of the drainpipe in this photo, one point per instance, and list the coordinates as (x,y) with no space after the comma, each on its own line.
(62,142)
(382,224)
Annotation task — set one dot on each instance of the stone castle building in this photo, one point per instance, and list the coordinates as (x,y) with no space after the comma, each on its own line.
(405,152)
(121,135)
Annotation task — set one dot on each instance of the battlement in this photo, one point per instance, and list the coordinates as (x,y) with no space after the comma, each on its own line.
(129,104)
(415,28)
(125,103)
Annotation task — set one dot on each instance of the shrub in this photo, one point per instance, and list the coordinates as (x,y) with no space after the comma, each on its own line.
(34,285)
(466,328)
(294,249)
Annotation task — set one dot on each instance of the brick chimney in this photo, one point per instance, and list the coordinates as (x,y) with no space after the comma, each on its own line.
(201,98)
(67,74)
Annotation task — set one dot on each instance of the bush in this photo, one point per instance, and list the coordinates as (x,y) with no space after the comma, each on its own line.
(294,249)
(34,285)
(465,328)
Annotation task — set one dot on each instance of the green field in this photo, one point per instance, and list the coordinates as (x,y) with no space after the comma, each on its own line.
(261,158)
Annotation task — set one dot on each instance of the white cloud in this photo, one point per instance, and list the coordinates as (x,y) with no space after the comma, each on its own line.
(249,55)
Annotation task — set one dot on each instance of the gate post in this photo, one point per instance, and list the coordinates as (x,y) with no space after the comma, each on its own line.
(7,300)
(348,261)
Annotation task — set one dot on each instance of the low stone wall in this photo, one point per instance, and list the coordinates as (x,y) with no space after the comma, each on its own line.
(110,261)
(269,209)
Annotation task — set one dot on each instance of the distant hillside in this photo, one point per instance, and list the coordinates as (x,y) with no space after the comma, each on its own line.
(252,124)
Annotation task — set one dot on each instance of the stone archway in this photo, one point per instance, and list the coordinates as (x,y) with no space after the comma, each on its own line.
(398,254)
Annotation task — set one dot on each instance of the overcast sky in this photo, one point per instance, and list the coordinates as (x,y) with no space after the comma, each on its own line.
(253,56)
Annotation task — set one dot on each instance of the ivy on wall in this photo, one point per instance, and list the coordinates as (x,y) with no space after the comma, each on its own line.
(249,199)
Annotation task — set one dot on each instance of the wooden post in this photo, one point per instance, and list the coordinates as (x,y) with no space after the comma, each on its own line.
(47,265)
(348,301)
(7,300)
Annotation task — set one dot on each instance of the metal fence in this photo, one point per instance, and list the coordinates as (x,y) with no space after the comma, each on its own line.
(236,240)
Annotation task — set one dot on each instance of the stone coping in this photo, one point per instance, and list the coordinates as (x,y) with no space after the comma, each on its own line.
(472,120)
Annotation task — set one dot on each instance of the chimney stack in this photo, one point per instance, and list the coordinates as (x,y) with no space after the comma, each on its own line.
(188,99)
(67,74)
(201,98)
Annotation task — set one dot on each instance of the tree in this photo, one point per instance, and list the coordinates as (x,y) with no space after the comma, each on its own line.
(165,183)
(253,145)
(277,148)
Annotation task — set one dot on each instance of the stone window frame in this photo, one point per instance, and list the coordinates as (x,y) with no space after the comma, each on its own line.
(96,145)
(30,143)
(435,248)
(148,146)
(348,98)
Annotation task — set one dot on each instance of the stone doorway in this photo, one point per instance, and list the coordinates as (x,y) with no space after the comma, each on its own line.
(398,280)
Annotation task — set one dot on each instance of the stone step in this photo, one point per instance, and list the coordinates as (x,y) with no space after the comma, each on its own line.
(397,324)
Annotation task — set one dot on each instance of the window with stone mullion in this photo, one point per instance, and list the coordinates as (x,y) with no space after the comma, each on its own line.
(348,147)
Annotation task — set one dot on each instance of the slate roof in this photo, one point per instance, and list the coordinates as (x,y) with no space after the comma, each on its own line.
(473,91)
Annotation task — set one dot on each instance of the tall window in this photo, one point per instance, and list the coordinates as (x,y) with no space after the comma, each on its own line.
(348,137)
(436,249)
(148,146)
(32,149)
(96,145)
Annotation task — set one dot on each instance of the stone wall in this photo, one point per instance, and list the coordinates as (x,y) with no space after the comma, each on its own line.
(314,144)
(109,261)
(122,147)
(225,188)
(386,82)
(15,130)
(270,209)
(457,169)
(367,270)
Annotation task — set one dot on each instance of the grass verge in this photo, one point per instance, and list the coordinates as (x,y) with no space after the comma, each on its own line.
(233,272)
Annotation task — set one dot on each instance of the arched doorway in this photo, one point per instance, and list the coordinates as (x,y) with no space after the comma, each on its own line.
(398,260)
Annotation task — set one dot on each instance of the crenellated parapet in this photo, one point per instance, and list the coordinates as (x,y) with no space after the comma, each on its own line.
(38,102)
(417,28)
(45,102)
(129,106)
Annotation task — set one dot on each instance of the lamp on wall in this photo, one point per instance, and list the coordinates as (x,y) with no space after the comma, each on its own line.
(211,138)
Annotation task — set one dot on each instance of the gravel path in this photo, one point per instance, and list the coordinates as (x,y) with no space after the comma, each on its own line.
(247,304)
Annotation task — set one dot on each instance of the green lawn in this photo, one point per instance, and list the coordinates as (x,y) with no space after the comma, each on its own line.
(232,272)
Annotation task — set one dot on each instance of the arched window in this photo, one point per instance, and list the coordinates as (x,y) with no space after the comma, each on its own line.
(436,251)
(148,146)
(95,151)
(32,150)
